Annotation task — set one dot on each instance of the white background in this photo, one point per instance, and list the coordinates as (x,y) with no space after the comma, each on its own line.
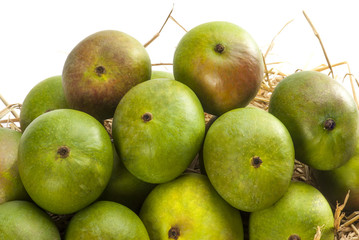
(36,36)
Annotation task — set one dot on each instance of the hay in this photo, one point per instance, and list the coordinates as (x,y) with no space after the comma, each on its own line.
(9,118)
(346,223)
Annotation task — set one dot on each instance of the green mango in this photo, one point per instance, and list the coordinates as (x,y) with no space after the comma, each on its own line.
(189,208)
(11,187)
(65,160)
(320,115)
(106,220)
(158,129)
(45,96)
(248,156)
(296,216)
(22,220)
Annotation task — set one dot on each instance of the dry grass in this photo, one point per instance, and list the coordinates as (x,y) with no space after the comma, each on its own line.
(346,224)
(9,117)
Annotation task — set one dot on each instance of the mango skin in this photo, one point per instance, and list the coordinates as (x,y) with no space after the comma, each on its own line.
(300,211)
(303,101)
(101,69)
(158,150)
(231,143)
(58,183)
(124,187)
(192,206)
(11,187)
(162,74)
(222,81)
(335,184)
(23,220)
(45,96)
(106,220)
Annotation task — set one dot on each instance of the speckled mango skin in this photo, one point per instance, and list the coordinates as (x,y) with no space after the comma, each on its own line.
(229,147)
(300,211)
(45,96)
(124,61)
(303,101)
(161,149)
(335,184)
(22,220)
(222,81)
(162,74)
(124,187)
(192,206)
(106,220)
(64,185)
(11,187)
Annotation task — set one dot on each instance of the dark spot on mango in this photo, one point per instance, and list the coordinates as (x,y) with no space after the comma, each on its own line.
(100,70)
(174,233)
(219,48)
(146,117)
(329,124)
(294,237)
(63,151)
(256,162)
